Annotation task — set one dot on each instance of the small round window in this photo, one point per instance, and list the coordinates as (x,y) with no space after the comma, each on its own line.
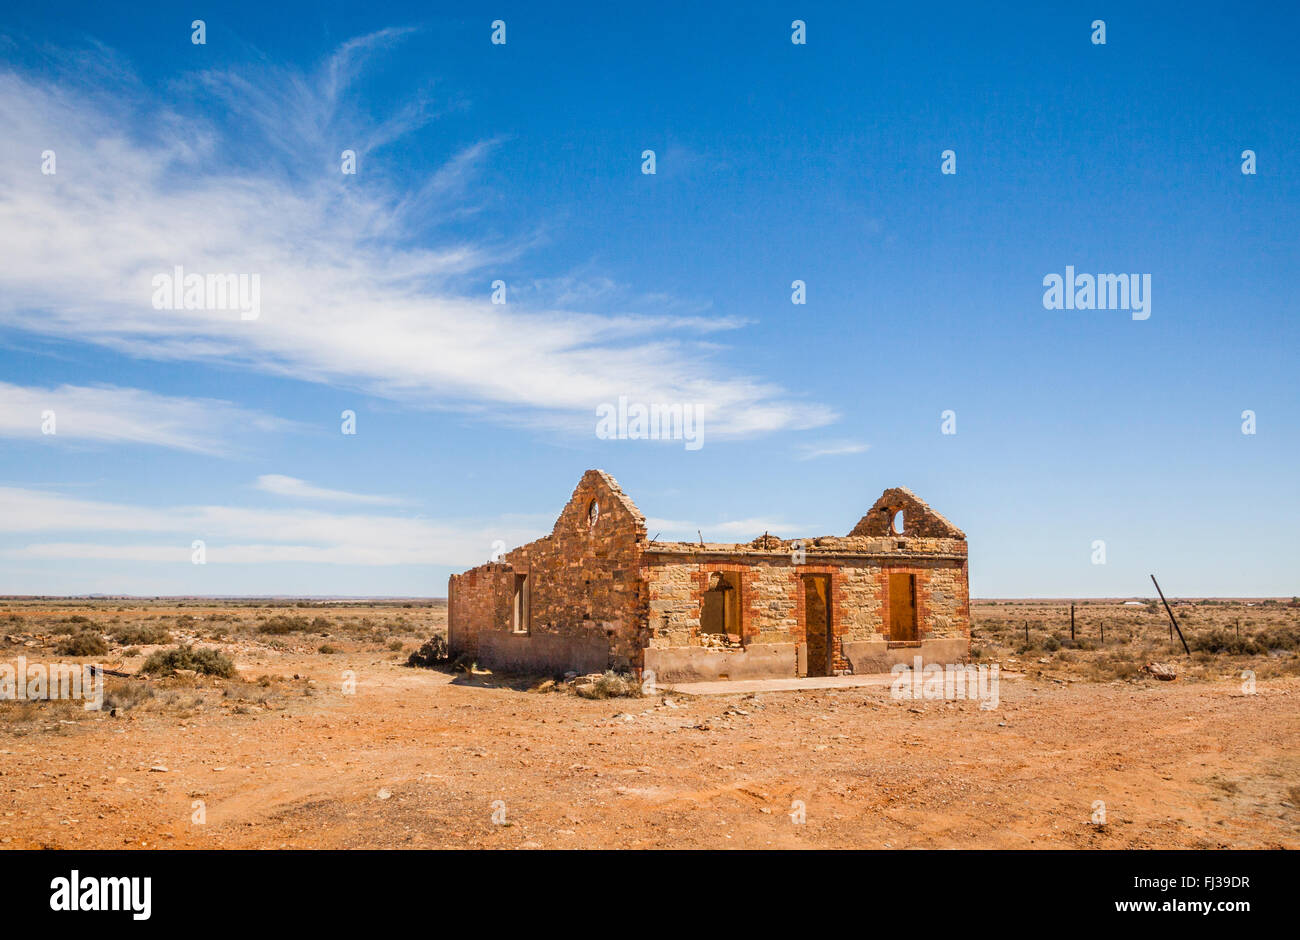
(593,513)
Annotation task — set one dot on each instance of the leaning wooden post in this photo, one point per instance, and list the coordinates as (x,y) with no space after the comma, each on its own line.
(1186,649)
(1026,633)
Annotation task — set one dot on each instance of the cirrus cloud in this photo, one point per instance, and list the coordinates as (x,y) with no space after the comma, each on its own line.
(356,290)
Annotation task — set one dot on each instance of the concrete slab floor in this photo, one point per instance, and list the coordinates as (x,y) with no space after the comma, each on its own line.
(734,686)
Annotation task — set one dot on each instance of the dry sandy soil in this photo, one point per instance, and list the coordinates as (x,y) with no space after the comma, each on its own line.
(284,756)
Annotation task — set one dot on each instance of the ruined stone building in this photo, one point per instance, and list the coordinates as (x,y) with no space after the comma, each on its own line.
(597,594)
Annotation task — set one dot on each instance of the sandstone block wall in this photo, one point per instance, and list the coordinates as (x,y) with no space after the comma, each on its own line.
(582,579)
(773,598)
(596,583)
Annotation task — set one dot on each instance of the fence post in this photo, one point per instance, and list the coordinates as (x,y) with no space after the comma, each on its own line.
(1172,622)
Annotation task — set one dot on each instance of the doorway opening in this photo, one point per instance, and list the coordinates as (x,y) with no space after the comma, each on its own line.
(817,624)
(902,608)
(521,615)
(720,609)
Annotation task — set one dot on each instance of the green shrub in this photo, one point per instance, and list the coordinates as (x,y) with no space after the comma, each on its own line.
(1278,638)
(206,661)
(431,653)
(327,649)
(281,624)
(145,634)
(1223,641)
(85,643)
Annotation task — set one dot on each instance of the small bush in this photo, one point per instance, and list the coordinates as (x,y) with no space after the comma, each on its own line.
(431,653)
(1051,644)
(1223,641)
(208,662)
(396,646)
(1279,638)
(610,685)
(85,643)
(280,625)
(327,649)
(127,694)
(145,634)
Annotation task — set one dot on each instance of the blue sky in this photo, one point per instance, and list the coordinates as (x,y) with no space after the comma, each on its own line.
(522,162)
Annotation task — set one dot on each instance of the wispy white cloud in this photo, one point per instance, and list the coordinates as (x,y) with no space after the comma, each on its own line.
(832,449)
(294,488)
(241,535)
(356,290)
(111,414)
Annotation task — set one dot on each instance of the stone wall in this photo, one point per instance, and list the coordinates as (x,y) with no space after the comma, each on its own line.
(773,598)
(477,600)
(918,518)
(601,595)
(697,664)
(583,585)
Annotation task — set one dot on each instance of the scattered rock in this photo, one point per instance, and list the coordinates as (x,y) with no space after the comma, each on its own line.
(1162,671)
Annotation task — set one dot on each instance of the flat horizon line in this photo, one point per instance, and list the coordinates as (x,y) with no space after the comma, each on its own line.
(416,597)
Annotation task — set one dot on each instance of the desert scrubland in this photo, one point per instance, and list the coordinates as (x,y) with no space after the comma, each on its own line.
(259,724)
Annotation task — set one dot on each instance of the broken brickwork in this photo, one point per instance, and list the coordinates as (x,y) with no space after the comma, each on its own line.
(596,594)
